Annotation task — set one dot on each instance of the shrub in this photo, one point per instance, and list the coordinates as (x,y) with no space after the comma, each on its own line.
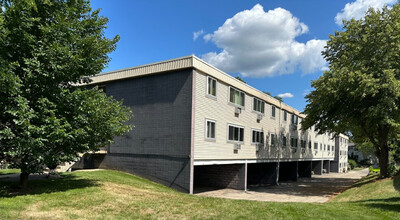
(352,163)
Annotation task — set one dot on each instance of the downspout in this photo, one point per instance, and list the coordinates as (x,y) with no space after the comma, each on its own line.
(280,143)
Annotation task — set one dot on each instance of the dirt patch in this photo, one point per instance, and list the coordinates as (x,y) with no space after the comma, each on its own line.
(318,189)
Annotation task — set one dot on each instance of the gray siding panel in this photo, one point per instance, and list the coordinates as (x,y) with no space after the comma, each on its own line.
(158,147)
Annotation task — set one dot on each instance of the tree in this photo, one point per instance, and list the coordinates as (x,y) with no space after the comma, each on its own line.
(360,92)
(240,79)
(275,97)
(47,48)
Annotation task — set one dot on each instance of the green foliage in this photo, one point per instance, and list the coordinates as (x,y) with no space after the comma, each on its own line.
(352,163)
(240,79)
(361,90)
(47,47)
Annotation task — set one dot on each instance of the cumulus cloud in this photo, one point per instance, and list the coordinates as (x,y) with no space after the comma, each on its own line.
(358,8)
(256,43)
(286,95)
(197,34)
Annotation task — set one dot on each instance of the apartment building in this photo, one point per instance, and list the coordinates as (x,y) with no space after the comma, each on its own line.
(341,155)
(198,126)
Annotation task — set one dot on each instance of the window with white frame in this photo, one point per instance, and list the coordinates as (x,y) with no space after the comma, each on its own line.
(236,96)
(309,145)
(329,148)
(210,129)
(257,137)
(258,105)
(293,142)
(211,86)
(315,146)
(284,141)
(235,133)
(273,109)
(273,139)
(303,144)
(285,115)
(295,119)
(333,148)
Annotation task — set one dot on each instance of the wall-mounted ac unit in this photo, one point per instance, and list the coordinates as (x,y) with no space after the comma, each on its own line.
(259,146)
(236,146)
(259,117)
(238,110)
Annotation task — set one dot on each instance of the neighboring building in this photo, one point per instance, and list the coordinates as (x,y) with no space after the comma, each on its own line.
(198,126)
(355,153)
(341,159)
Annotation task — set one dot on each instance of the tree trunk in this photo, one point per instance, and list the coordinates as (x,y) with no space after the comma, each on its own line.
(23,180)
(384,161)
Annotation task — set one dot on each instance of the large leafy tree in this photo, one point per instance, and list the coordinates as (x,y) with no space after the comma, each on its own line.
(47,47)
(360,92)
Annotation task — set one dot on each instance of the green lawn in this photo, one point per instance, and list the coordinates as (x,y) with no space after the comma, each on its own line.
(116,195)
(9,171)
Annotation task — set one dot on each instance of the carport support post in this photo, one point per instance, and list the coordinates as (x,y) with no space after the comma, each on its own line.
(245,176)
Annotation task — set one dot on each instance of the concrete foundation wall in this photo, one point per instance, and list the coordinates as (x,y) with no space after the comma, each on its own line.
(288,171)
(220,176)
(158,147)
(262,173)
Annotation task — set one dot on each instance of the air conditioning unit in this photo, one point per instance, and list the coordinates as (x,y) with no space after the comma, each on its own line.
(238,110)
(236,146)
(259,117)
(259,146)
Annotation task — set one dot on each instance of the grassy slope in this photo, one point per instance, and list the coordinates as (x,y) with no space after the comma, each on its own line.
(9,171)
(112,194)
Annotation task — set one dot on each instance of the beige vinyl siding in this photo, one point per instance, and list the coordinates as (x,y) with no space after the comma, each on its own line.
(223,112)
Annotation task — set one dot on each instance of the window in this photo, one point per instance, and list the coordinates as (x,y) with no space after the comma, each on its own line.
(272,139)
(258,105)
(285,115)
(236,96)
(315,146)
(295,119)
(211,86)
(333,148)
(293,142)
(309,144)
(210,129)
(329,148)
(284,141)
(303,144)
(324,147)
(320,147)
(235,133)
(257,137)
(273,111)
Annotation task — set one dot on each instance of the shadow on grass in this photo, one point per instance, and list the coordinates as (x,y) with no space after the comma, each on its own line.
(365,180)
(11,189)
(389,204)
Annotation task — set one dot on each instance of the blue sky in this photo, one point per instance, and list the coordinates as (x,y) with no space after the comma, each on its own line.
(273,45)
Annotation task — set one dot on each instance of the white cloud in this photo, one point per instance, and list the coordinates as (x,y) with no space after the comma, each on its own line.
(197,34)
(257,43)
(286,95)
(358,8)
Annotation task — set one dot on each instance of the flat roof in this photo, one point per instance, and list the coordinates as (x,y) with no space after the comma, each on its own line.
(190,62)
